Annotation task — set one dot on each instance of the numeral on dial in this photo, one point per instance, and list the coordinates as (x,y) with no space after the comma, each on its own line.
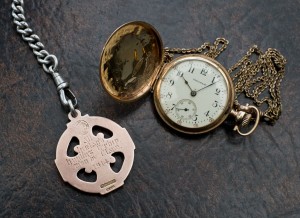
(191,70)
(217,91)
(215,104)
(203,72)
(179,74)
(213,80)
(195,118)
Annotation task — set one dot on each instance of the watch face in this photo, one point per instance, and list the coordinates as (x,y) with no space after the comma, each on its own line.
(194,94)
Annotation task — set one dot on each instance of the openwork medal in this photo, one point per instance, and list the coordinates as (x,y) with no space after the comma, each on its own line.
(90,145)
(94,153)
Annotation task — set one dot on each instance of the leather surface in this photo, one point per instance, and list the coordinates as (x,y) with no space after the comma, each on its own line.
(219,174)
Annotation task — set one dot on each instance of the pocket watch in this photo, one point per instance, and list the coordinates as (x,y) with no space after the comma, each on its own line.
(193,93)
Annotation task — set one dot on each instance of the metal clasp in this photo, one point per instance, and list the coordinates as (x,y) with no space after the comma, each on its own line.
(244,114)
(67,97)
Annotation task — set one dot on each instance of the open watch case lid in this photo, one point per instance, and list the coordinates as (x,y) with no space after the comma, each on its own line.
(131,60)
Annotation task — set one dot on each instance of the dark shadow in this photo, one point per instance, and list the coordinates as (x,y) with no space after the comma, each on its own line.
(70,151)
(87,177)
(116,167)
(99,129)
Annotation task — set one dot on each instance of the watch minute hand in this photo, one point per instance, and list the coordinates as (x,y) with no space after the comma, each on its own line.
(207,86)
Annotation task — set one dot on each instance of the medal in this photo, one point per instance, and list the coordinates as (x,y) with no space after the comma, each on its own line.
(94,153)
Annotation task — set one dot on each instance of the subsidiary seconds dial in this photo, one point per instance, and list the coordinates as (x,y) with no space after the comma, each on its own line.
(185,109)
(194,94)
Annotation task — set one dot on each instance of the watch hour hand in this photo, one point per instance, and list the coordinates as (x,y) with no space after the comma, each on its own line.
(193,92)
(186,82)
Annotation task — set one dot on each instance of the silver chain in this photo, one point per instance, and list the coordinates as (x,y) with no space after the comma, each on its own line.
(47,60)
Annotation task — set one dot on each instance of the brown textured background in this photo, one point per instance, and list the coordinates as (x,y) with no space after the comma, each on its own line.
(219,174)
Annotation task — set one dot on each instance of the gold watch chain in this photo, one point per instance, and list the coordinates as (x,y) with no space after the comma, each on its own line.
(258,79)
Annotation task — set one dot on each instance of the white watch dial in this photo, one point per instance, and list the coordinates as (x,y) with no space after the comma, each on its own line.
(193,93)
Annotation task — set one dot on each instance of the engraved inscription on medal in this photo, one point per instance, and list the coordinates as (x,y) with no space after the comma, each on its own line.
(92,147)
(83,126)
(94,152)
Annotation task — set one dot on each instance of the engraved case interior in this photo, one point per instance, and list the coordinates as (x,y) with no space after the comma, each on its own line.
(130,61)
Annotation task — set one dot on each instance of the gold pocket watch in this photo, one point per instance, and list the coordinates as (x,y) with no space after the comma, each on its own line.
(193,93)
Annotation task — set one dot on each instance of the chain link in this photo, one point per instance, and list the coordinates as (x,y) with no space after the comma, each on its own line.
(260,80)
(253,78)
(208,49)
(47,60)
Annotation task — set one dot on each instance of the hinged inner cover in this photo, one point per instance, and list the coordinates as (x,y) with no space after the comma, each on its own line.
(130,61)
